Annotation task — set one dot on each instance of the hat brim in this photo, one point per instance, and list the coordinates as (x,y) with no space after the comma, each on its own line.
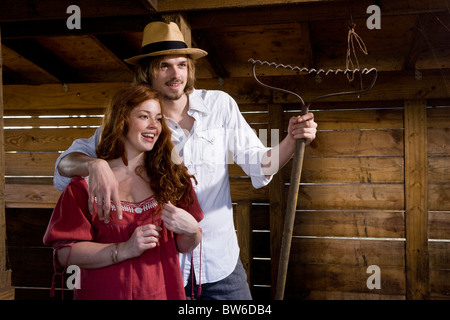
(193,52)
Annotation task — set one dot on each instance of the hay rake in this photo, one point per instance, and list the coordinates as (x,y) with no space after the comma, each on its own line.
(299,154)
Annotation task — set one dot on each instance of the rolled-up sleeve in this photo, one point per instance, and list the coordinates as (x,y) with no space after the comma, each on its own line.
(247,149)
(85,146)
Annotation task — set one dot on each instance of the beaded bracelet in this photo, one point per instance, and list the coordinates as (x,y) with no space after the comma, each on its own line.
(115,254)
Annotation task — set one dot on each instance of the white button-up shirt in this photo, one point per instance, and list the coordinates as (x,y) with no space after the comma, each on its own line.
(219,136)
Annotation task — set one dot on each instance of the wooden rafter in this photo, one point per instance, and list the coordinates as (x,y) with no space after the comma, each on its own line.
(198,38)
(214,64)
(418,43)
(187,5)
(307,45)
(150,5)
(35,53)
(50,28)
(308,11)
(13,10)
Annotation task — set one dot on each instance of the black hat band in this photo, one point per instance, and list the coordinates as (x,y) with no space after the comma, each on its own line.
(162,46)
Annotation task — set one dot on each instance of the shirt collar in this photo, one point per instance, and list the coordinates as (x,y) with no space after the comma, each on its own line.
(197,104)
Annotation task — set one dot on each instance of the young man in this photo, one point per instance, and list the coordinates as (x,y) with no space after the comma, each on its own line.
(206,125)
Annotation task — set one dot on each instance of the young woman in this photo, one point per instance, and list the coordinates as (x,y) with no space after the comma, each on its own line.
(135,257)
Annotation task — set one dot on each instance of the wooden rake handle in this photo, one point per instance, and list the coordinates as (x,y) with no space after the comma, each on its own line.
(290,218)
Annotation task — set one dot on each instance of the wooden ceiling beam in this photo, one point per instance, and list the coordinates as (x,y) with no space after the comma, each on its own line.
(49,28)
(151,5)
(312,7)
(214,64)
(119,46)
(25,10)
(307,44)
(183,23)
(431,86)
(188,5)
(12,77)
(429,27)
(416,46)
(228,17)
(32,51)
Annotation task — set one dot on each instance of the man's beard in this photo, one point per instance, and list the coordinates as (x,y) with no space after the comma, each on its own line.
(173,96)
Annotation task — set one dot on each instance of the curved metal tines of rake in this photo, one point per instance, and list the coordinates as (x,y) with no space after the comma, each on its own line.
(316,72)
(312,70)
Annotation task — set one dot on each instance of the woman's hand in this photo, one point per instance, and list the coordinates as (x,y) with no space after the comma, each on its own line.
(143,238)
(184,225)
(178,220)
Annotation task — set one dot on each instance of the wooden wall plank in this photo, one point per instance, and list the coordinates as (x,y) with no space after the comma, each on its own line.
(246,91)
(440,269)
(56,113)
(417,256)
(244,234)
(438,121)
(351,170)
(439,116)
(369,224)
(341,265)
(53,122)
(355,252)
(439,169)
(407,87)
(43,139)
(6,292)
(351,197)
(277,200)
(438,141)
(438,197)
(30,163)
(31,196)
(355,143)
(356,119)
(242,190)
(58,97)
(439,225)
(440,255)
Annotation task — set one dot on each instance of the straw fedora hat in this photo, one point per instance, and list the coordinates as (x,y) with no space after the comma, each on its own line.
(160,39)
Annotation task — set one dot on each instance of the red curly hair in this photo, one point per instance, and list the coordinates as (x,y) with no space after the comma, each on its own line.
(168,180)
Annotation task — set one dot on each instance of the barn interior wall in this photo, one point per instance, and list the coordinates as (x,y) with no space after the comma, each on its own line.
(373,213)
(351,209)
